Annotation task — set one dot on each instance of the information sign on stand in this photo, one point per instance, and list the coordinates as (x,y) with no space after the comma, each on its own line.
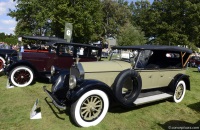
(35,111)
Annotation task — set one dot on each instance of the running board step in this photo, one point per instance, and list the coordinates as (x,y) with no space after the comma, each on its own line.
(148,99)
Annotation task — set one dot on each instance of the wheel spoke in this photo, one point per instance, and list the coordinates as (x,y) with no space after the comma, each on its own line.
(91,108)
(21,76)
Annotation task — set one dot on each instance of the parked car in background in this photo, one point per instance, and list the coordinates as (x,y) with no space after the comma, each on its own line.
(104,55)
(134,75)
(194,61)
(5,52)
(32,64)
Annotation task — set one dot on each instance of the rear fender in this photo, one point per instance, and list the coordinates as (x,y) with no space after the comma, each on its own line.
(177,78)
(88,85)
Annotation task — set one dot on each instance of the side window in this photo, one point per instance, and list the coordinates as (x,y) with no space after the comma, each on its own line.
(173,60)
(66,50)
(144,58)
(87,52)
(94,53)
(173,55)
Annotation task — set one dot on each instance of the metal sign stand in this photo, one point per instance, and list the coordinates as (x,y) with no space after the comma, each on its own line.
(8,84)
(35,111)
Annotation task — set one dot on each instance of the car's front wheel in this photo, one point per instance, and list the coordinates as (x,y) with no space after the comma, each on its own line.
(179,91)
(90,108)
(21,76)
(2,62)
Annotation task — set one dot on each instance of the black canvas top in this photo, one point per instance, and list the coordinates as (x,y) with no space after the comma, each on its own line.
(56,40)
(43,38)
(155,47)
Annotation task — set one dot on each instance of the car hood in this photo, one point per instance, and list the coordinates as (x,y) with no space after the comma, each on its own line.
(105,66)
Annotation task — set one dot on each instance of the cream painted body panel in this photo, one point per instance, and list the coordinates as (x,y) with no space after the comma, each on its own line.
(105,71)
(159,77)
(166,75)
(104,66)
(106,77)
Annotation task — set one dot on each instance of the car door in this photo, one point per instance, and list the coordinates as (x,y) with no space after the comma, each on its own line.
(149,75)
(64,56)
(171,68)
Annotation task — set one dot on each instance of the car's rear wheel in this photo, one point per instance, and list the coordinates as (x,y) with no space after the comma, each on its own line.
(2,62)
(90,108)
(21,76)
(179,91)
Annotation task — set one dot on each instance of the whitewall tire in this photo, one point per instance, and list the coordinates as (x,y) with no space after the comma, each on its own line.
(2,62)
(179,91)
(90,108)
(21,76)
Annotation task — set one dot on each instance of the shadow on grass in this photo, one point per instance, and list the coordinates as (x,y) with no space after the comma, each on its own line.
(176,124)
(59,111)
(66,112)
(2,73)
(43,80)
(116,108)
(196,71)
(195,106)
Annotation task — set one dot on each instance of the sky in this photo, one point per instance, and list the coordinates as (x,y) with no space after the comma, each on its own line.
(7,24)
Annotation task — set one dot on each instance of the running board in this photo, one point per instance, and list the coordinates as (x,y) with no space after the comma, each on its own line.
(148,99)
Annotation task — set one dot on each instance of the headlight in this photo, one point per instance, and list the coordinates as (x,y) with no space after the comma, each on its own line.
(8,60)
(19,56)
(72,81)
(6,57)
(52,70)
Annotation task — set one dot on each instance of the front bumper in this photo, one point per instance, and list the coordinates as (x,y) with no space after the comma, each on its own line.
(56,102)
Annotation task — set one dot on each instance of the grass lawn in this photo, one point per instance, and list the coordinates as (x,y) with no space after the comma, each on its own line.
(16,104)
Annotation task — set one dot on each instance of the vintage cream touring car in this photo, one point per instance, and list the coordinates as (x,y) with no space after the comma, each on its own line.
(134,75)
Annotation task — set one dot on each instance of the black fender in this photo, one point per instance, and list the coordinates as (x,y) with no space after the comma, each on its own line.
(128,99)
(177,78)
(87,85)
(22,63)
(60,84)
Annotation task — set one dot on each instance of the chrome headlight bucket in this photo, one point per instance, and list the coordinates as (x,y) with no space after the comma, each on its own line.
(53,70)
(6,57)
(19,56)
(8,60)
(72,81)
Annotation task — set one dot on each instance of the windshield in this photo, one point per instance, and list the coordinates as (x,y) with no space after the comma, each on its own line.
(122,55)
(137,57)
(4,46)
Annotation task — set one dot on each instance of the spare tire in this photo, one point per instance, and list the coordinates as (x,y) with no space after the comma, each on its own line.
(127,87)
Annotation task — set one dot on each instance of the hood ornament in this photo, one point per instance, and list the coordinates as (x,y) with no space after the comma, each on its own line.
(77,59)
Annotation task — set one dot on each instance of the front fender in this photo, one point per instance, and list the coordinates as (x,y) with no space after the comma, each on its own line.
(86,86)
(177,78)
(21,63)
(60,84)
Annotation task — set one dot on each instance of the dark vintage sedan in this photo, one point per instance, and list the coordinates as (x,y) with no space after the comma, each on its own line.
(194,61)
(33,64)
(134,75)
(4,52)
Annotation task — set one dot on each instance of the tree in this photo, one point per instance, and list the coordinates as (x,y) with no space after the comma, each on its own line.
(130,35)
(116,15)
(48,18)
(171,22)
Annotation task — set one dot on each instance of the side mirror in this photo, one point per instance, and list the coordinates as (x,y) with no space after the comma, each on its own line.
(133,55)
(132,61)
